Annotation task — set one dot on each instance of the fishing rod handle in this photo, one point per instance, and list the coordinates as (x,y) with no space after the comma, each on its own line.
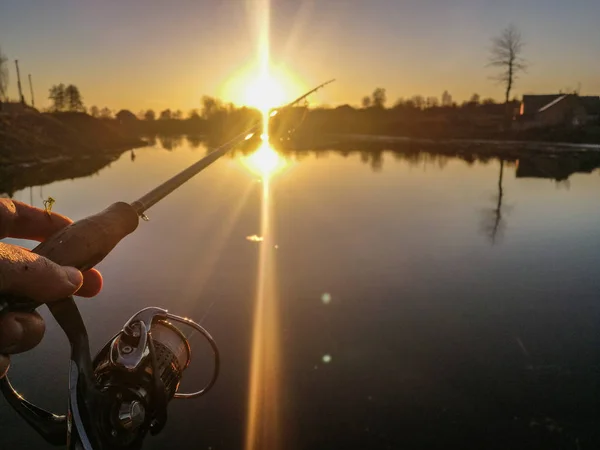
(85,243)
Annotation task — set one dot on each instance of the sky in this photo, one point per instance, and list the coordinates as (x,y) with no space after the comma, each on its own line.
(141,54)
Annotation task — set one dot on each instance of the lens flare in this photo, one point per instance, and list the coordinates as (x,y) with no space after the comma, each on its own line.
(265,161)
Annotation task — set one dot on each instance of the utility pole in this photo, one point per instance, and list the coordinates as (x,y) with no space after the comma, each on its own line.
(31,89)
(19,82)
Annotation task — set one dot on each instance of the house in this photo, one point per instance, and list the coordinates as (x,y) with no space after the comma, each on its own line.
(539,111)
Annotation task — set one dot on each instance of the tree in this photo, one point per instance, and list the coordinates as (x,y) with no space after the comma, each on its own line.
(474,100)
(193,115)
(105,113)
(3,76)
(165,115)
(94,111)
(432,102)
(73,98)
(418,101)
(506,54)
(379,97)
(149,115)
(366,101)
(177,115)
(446,99)
(210,107)
(125,117)
(58,97)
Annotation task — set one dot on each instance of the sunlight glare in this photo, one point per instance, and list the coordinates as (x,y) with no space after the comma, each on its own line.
(265,161)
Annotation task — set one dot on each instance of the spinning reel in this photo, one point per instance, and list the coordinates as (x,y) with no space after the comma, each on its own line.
(120,396)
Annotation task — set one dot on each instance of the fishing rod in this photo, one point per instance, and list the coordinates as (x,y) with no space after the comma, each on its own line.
(122,394)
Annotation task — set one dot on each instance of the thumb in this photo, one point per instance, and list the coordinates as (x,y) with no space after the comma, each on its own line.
(30,275)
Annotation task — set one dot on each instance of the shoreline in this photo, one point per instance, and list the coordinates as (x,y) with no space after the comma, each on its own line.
(548,146)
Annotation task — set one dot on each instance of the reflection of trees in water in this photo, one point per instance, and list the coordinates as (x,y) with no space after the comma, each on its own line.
(171,143)
(194,141)
(151,140)
(15,178)
(494,222)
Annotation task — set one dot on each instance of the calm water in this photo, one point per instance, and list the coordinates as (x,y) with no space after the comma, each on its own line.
(401,307)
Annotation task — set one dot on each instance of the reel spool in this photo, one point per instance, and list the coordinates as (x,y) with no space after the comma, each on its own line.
(116,399)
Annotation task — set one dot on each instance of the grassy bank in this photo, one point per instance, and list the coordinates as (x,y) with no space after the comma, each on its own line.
(34,136)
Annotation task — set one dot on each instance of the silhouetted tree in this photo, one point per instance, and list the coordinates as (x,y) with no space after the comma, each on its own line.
(418,101)
(58,97)
(210,106)
(488,101)
(193,115)
(506,55)
(474,100)
(366,101)
(446,99)
(73,99)
(149,115)
(177,115)
(432,102)
(105,113)
(125,117)
(94,111)
(379,98)
(165,115)
(3,76)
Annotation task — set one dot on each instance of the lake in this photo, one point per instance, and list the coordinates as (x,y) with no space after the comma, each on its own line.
(401,301)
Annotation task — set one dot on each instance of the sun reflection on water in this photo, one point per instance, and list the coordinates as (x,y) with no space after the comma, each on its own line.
(265,161)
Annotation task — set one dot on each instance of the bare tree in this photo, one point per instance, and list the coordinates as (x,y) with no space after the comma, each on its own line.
(105,113)
(432,102)
(73,99)
(446,99)
(58,97)
(3,75)
(418,101)
(506,54)
(379,97)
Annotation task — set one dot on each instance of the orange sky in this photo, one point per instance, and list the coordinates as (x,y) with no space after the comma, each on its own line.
(159,54)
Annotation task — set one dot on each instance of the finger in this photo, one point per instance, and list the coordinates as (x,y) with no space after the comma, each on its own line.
(4,365)
(19,220)
(30,275)
(20,332)
(92,284)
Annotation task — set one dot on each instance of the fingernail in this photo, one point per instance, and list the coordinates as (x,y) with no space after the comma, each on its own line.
(75,276)
(10,335)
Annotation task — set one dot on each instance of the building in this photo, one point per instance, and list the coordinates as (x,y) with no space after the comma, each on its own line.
(540,111)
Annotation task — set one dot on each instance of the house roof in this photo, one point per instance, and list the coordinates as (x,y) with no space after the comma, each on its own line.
(552,103)
(533,103)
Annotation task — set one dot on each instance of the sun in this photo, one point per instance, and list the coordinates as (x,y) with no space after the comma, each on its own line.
(265,161)
(264,92)
(262,88)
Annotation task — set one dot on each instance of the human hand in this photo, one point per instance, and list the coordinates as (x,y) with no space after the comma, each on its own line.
(27,274)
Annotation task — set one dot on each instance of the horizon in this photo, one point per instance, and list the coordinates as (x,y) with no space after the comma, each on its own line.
(159,55)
